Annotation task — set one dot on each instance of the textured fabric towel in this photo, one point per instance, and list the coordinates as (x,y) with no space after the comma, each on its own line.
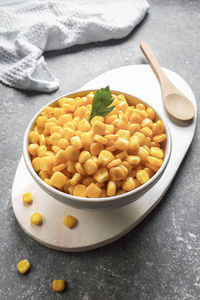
(26,31)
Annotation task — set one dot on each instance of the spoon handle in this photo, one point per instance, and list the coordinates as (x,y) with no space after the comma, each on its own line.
(165,84)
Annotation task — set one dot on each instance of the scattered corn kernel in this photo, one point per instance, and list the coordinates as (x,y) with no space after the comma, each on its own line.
(69,221)
(36,219)
(23,266)
(28,198)
(58,285)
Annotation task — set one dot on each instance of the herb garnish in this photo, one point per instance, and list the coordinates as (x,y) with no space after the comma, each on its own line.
(102,99)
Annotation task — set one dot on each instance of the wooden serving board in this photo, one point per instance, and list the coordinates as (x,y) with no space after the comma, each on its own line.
(97,228)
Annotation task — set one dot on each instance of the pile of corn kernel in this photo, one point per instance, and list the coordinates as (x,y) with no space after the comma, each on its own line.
(105,157)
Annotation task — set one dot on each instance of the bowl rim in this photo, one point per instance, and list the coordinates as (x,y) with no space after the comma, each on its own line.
(102,200)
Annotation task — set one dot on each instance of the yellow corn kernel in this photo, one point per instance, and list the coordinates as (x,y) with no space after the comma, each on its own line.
(55,148)
(133,159)
(99,128)
(63,143)
(33,137)
(57,129)
(123,122)
(134,128)
(59,168)
(143,153)
(36,164)
(84,155)
(75,179)
(42,139)
(110,148)
(69,221)
(114,163)
(135,118)
(41,150)
(58,285)
(79,190)
(23,266)
(149,171)
(88,180)
(60,157)
(28,198)
(160,138)
(87,138)
(109,129)
(36,218)
(154,144)
(157,152)
(141,138)
(122,106)
(151,113)
(43,174)
(109,119)
(134,143)
(79,168)
(90,166)
(111,137)
(58,179)
(123,133)
(64,119)
(93,191)
(70,189)
(142,176)
(71,153)
(117,173)
(147,141)
(160,127)
(140,106)
(70,166)
(68,132)
(33,149)
(111,188)
(122,144)
(54,138)
(124,169)
(152,167)
(68,108)
(84,125)
(96,148)
(71,125)
(48,182)
(147,123)
(146,131)
(96,118)
(121,155)
(128,184)
(105,157)
(76,142)
(100,139)
(101,175)
(40,122)
(53,119)
(142,113)
(155,161)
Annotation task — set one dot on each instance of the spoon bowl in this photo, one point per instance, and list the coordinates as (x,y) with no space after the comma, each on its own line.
(175,102)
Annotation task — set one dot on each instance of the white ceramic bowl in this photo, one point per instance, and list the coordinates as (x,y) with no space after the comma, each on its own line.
(97,203)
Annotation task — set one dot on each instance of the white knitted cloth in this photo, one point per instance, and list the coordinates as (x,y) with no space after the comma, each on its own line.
(26,31)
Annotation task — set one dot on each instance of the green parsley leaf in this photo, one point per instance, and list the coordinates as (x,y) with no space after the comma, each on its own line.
(102,99)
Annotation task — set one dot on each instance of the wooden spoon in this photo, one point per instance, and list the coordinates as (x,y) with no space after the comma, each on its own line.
(176,103)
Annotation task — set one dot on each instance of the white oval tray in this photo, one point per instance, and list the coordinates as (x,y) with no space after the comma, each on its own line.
(98,228)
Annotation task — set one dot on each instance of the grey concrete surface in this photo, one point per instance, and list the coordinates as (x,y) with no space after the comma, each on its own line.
(160,259)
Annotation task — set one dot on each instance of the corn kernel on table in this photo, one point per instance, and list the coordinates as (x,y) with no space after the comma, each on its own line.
(159,259)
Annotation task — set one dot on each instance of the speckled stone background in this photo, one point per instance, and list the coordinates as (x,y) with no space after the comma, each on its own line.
(160,259)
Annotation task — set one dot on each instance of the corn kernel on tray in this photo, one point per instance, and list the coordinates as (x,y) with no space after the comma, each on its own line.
(105,157)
